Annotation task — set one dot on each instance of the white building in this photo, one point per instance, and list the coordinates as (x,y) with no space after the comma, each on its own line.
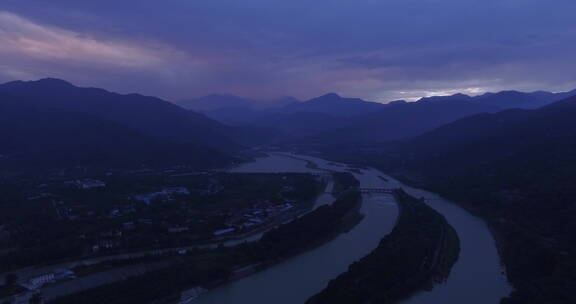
(190,295)
(88,183)
(224,231)
(39,281)
(166,194)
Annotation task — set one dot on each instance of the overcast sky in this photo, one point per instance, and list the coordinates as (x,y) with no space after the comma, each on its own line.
(374,49)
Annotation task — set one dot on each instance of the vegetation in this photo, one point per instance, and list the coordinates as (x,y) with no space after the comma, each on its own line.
(72,223)
(211,267)
(344,181)
(162,284)
(9,290)
(45,127)
(312,229)
(517,170)
(420,250)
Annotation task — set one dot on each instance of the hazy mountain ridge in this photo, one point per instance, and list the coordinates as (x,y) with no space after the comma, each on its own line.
(150,115)
(53,121)
(398,121)
(517,169)
(332,119)
(215,102)
(335,105)
(43,138)
(548,121)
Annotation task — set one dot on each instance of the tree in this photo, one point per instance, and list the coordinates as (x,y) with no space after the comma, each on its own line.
(11,279)
(36,299)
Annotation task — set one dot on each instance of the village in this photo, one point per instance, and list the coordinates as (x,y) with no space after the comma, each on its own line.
(138,216)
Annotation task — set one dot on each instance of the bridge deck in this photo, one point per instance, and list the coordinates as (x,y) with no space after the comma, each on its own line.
(376,190)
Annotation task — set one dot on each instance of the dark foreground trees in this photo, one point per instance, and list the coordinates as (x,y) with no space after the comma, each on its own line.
(420,250)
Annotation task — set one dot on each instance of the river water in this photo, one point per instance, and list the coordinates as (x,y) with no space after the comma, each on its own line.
(476,278)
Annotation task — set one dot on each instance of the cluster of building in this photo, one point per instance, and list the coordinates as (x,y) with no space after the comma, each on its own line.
(260,214)
(87,183)
(167,194)
(39,281)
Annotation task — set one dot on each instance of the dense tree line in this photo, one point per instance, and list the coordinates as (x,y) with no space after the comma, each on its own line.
(344,181)
(420,250)
(162,284)
(46,238)
(517,170)
(211,267)
(312,229)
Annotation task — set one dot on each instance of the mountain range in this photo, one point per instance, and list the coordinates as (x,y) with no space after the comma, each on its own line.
(332,119)
(516,168)
(55,119)
(52,121)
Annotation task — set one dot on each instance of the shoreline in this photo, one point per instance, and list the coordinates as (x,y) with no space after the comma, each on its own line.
(394,260)
(354,218)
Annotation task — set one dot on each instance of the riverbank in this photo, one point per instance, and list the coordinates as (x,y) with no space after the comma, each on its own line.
(250,222)
(295,279)
(491,220)
(303,234)
(478,276)
(216,267)
(419,253)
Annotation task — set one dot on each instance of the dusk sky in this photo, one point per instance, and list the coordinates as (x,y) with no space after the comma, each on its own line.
(378,50)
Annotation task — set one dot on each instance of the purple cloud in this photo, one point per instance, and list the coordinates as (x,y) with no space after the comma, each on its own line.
(378,50)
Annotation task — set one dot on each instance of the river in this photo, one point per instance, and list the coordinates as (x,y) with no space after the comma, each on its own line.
(476,278)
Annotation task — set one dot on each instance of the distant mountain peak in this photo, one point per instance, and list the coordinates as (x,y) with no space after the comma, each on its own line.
(457,96)
(460,95)
(564,103)
(331,95)
(50,82)
(510,93)
(397,102)
(54,81)
(46,83)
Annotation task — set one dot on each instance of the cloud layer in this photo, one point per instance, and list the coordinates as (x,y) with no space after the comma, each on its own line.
(378,50)
(22,37)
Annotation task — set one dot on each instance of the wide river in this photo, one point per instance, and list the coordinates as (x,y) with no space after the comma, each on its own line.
(477,277)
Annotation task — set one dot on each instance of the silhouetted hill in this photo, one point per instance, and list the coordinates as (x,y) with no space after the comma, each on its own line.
(216,102)
(237,110)
(514,99)
(219,102)
(483,138)
(565,103)
(486,137)
(333,104)
(149,115)
(515,168)
(507,99)
(455,97)
(398,120)
(332,119)
(298,124)
(235,115)
(297,119)
(234,110)
(50,122)
(49,138)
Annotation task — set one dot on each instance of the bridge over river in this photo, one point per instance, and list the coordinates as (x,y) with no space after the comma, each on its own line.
(376,190)
(371,191)
(476,278)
